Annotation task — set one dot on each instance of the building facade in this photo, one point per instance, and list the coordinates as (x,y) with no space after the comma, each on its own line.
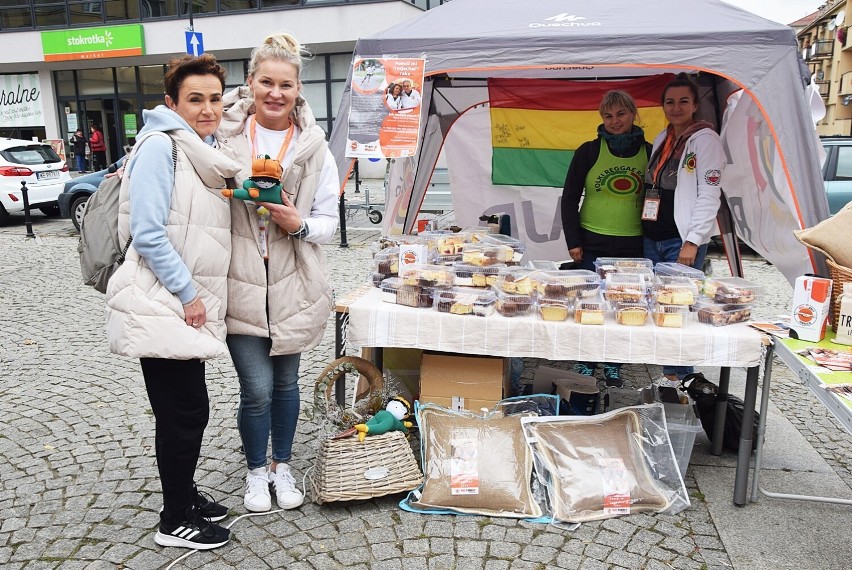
(827,50)
(69,64)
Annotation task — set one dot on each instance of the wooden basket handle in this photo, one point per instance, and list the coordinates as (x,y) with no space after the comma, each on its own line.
(330,374)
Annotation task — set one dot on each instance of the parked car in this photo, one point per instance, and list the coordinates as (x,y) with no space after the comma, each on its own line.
(75,196)
(37,164)
(837,171)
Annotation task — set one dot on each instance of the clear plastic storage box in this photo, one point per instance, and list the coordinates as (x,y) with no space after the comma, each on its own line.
(720,315)
(513,305)
(554,309)
(467,275)
(428,275)
(625,288)
(670,316)
(606,265)
(631,314)
(515,281)
(672,290)
(465,301)
(732,290)
(567,284)
(590,311)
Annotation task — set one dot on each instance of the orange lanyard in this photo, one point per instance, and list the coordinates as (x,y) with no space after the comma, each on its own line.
(665,155)
(284,146)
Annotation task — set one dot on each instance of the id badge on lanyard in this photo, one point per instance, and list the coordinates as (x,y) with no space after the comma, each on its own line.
(263,231)
(651,207)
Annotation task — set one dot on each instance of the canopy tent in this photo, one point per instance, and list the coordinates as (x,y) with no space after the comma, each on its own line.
(754,87)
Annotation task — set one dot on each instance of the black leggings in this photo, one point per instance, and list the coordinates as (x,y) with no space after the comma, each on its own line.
(178,396)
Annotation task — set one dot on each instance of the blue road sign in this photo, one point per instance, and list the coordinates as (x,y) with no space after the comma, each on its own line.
(194,43)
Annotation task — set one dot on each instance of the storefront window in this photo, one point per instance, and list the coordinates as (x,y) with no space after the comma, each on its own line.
(85,12)
(63,83)
(126,77)
(95,82)
(235,73)
(117,10)
(151,79)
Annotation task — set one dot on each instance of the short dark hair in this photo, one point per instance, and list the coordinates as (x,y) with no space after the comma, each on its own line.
(681,80)
(180,68)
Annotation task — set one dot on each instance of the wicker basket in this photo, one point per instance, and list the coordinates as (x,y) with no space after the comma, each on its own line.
(348,469)
(839,275)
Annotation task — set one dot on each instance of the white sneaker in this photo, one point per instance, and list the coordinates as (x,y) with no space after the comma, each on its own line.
(289,497)
(257,498)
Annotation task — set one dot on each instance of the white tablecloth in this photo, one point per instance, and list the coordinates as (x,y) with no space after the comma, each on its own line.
(374,323)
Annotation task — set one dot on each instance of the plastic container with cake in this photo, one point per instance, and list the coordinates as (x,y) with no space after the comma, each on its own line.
(447,259)
(518,247)
(666,269)
(626,288)
(483,254)
(389,287)
(513,304)
(515,281)
(451,243)
(670,316)
(431,237)
(465,301)
(591,311)
(386,261)
(554,309)
(606,265)
(423,275)
(476,233)
(566,284)
(631,314)
(467,275)
(732,291)
(719,315)
(673,290)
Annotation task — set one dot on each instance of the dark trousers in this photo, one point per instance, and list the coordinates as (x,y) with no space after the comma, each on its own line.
(178,395)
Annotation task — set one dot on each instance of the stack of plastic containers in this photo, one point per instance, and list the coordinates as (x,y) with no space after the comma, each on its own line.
(727,301)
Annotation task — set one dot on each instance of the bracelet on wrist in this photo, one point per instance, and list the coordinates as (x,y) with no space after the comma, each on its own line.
(301,232)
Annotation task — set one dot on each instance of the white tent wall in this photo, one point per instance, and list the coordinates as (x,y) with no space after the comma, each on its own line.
(773,181)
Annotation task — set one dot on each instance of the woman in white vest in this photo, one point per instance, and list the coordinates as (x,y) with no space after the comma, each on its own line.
(279,296)
(166,304)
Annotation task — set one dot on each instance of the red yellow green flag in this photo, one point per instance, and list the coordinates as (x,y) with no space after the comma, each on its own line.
(537,124)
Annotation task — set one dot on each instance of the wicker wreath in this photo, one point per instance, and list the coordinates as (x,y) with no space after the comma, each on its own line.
(327,379)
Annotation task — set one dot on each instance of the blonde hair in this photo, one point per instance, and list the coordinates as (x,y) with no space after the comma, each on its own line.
(279,47)
(618,99)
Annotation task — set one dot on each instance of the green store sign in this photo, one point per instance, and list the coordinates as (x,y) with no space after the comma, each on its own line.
(93,43)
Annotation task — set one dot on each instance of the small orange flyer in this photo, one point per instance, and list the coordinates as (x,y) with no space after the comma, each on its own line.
(385,107)
(464,467)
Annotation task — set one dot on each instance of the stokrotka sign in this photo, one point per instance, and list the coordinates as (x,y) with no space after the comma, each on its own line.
(93,43)
(20,101)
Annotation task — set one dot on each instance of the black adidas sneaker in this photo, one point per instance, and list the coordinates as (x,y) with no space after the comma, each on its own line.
(194,532)
(208,508)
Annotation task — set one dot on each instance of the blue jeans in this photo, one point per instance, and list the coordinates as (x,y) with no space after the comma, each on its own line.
(81,162)
(269,398)
(668,250)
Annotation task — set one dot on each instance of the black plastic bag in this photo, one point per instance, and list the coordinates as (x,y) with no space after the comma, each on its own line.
(704,393)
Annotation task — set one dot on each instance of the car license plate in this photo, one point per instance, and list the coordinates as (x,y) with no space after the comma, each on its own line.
(49,175)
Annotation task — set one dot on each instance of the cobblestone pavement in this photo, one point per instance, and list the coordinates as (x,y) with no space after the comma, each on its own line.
(78,480)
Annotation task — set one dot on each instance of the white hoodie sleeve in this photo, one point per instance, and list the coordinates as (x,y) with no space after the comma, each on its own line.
(709,164)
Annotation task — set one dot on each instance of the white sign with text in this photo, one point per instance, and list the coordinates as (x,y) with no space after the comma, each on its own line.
(20,101)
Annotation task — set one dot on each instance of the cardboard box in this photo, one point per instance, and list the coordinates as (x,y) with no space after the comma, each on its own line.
(463,382)
(811,304)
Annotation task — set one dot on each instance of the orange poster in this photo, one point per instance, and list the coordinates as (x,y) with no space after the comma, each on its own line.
(384,115)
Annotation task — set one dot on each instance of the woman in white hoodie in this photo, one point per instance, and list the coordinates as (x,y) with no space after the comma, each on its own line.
(166,303)
(682,185)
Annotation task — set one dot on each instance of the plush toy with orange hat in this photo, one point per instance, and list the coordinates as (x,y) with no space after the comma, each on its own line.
(264,184)
(392,418)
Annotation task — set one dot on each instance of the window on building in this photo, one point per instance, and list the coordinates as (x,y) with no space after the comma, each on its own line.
(126,78)
(95,82)
(63,83)
(275,3)
(198,6)
(158,8)
(118,10)
(151,79)
(49,13)
(234,5)
(13,16)
(85,12)
(235,72)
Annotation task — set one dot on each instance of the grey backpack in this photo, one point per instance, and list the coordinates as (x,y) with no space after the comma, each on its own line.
(101,253)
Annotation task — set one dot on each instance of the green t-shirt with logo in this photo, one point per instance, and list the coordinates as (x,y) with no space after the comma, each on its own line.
(612,202)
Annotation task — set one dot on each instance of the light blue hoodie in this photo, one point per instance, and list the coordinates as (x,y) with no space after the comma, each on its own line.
(151,198)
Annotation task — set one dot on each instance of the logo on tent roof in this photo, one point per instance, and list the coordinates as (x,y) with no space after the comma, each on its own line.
(563,20)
